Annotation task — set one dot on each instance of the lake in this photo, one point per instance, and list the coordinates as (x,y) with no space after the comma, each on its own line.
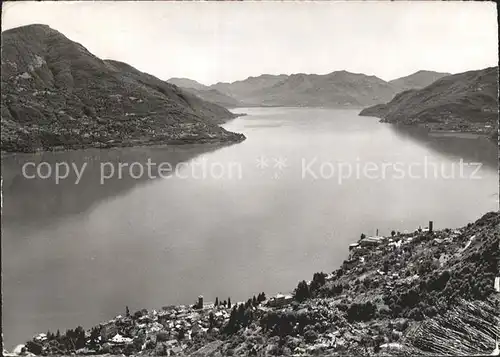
(226,221)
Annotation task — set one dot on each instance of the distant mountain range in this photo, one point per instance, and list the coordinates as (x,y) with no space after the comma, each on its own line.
(417,80)
(336,89)
(206,93)
(460,102)
(56,94)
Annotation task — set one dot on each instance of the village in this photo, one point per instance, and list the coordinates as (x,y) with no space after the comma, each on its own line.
(370,305)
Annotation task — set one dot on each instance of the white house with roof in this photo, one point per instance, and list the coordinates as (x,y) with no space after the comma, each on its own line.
(119,339)
(280,300)
(371,241)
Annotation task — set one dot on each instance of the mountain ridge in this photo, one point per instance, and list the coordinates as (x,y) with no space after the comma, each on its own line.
(335,89)
(417,80)
(206,93)
(426,292)
(465,101)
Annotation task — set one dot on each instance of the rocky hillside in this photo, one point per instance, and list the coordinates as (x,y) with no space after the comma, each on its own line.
(417,80)
(420,293)
(56,94)
(462,102)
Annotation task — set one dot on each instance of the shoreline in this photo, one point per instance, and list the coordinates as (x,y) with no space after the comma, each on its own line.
(444,132)
(442,129)
(171,142)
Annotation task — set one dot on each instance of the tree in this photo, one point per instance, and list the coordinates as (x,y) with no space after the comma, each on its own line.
(363,236)
(336,289)
(379,340)
(254,301)
(127,311)
(161,336)
(216,302)
(240,314)
(261,297)
(94,336)
(319,279)
(310,336)
(361,312)
(385,267)
(302,292)
(34,347)
(231,324)
(181,334)
(228,302)
(211,320)
(79,337)
(393,233)
(415,314)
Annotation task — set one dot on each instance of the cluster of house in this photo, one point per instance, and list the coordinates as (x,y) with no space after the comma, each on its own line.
(375,241)
(173,319)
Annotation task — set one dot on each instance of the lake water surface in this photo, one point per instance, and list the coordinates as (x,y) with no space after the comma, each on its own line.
(269,212)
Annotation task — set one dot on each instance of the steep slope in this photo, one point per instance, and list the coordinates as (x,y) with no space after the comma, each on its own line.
(56,94)
(417,80)
(463,102)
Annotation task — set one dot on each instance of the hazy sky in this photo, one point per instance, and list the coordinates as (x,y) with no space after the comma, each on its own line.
(227,41)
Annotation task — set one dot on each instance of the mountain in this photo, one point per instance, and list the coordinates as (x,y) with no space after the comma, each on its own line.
(56,94)
(336,89)
(461,102)
(187,83)
(216,97)
(417,80)
(206,93)
(244,89)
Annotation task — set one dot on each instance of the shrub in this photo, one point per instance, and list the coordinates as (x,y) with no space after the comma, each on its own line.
(361,312)
(161,336)
(34,347)
(310,336)
(415,314)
